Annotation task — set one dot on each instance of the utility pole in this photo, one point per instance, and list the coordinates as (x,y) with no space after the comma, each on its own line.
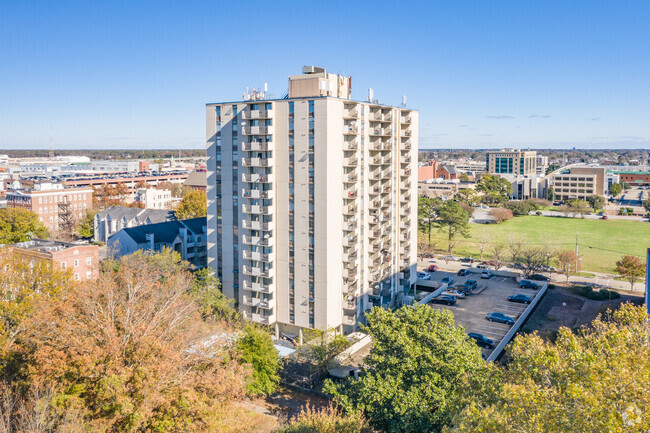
(577,234)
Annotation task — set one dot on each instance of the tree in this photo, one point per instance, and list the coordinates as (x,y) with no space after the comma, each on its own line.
(592,380)
(615,189)
(646,204)
(467,208)
(596,202)
(482,239)
(427,214)
(495,189)
(256,349)
(499,214)
(550,194)
(579,207)
(131,352)
(328,420)
(464,177)
(323,346)
(417,373)
(519,208)
(193,205)
(466,195)
(453,220)
(86,227)
(568,263)
(631,268)
(213,303)
(498,251)
(20,225)
(516,246)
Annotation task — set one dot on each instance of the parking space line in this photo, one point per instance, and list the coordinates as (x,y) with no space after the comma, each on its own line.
(503,280)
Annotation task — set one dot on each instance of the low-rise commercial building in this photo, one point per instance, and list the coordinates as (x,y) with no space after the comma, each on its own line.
(187,237)
(196,181)
(439,188)
(152,198)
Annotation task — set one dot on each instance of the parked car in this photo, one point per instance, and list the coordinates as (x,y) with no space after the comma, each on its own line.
(467,260)
(464,289)
(538,277)
(463,272)
(500,317)
(526,284)
(486,274)
(472,284)
(423,276)
(432,268)
(455,293)
(481,340)
(604,217)
(449,258)
(447,280)
(520,298)
(444,299)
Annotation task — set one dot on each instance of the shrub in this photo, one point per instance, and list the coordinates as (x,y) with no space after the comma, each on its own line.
(538,213)
(589,293)
(500,214)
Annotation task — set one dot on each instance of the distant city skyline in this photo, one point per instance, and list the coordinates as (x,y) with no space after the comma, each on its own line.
(483,75)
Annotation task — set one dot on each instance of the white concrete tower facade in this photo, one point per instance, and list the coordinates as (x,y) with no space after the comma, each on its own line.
(312,203)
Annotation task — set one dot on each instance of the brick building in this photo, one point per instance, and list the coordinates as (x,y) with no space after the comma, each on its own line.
(81,260)
(59,208)
(437,171)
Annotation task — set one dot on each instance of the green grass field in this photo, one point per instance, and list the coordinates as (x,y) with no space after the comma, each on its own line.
(601,242)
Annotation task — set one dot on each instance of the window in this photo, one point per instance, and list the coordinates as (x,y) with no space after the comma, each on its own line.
(255,122)
(40,199)
(268,106)
(255,107)
(63,265)
(268,122)
(89,275)
(89,261)
(76,263)
(76,276)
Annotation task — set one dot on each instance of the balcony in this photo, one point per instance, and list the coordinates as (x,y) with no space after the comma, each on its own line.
(381,132)
(256,255)
(252,301)
(406,145)
(257,130)
(386,172)
(349,304)
(405,119)
(349,320)
(257,162)
(350,113)
(350,258)
(405,159)
(256,272)
(349,241)
(350,177)
(258,318)
(350,145)
(405,198)
(375,204)
(404,172)
(256,193)
(256,177)
(405,133)
(375,174)
(257,287)
(256,114)
(256,240)
(350,130)
(350,273)
(257,146)
(350,209)
(351,161)
(350,192)
(350,225)
(257,209)
(257,225)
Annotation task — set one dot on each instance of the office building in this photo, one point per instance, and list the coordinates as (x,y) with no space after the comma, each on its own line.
(579,183)
(511,161)
(58,207)
(312,203)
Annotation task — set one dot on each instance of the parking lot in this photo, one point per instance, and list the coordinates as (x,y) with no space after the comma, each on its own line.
(491,297)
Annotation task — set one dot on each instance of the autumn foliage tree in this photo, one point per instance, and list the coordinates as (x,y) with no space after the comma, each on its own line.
(131,352)
(500,214)
(631,268)
(193,205)
(568,263)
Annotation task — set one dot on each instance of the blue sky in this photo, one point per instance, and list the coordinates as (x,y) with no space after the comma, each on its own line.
(137,74)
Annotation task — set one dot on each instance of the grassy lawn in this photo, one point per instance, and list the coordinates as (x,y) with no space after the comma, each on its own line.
(601,242)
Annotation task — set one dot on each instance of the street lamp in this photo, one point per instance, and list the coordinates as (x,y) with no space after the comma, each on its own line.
(563,312)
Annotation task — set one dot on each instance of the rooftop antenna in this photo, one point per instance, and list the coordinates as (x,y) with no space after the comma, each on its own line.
(266,89)
(370,94)
(403,101)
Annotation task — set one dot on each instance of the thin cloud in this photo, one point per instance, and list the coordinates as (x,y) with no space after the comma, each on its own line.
(487,135)
(463,126)
(539,116)
(595,119)
(500,117)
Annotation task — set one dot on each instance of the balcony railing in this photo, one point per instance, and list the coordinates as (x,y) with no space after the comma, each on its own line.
(257,225)
(256,177)
(256,114)
(257,162)
(256,193)
(256,272)
(257,146)
(257,130)
(257,287)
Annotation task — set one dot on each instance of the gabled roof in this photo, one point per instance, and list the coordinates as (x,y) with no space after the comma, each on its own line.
(165,232)
(451,170)
(141,215)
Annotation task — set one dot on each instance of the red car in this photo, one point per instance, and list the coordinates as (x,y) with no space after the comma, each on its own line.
(604,217)
(433,268)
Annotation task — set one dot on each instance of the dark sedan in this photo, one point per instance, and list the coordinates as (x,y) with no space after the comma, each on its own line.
(525,284)
(522,299)
(463,272)
(500,318)
(481,340)
(444,299)
(538,277)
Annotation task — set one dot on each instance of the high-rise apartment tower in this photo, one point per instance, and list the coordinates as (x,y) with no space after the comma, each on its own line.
(312,203)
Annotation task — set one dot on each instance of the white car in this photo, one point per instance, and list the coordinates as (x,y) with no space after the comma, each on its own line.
(486,274)
(455,293)
(450,258)
(424,276)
